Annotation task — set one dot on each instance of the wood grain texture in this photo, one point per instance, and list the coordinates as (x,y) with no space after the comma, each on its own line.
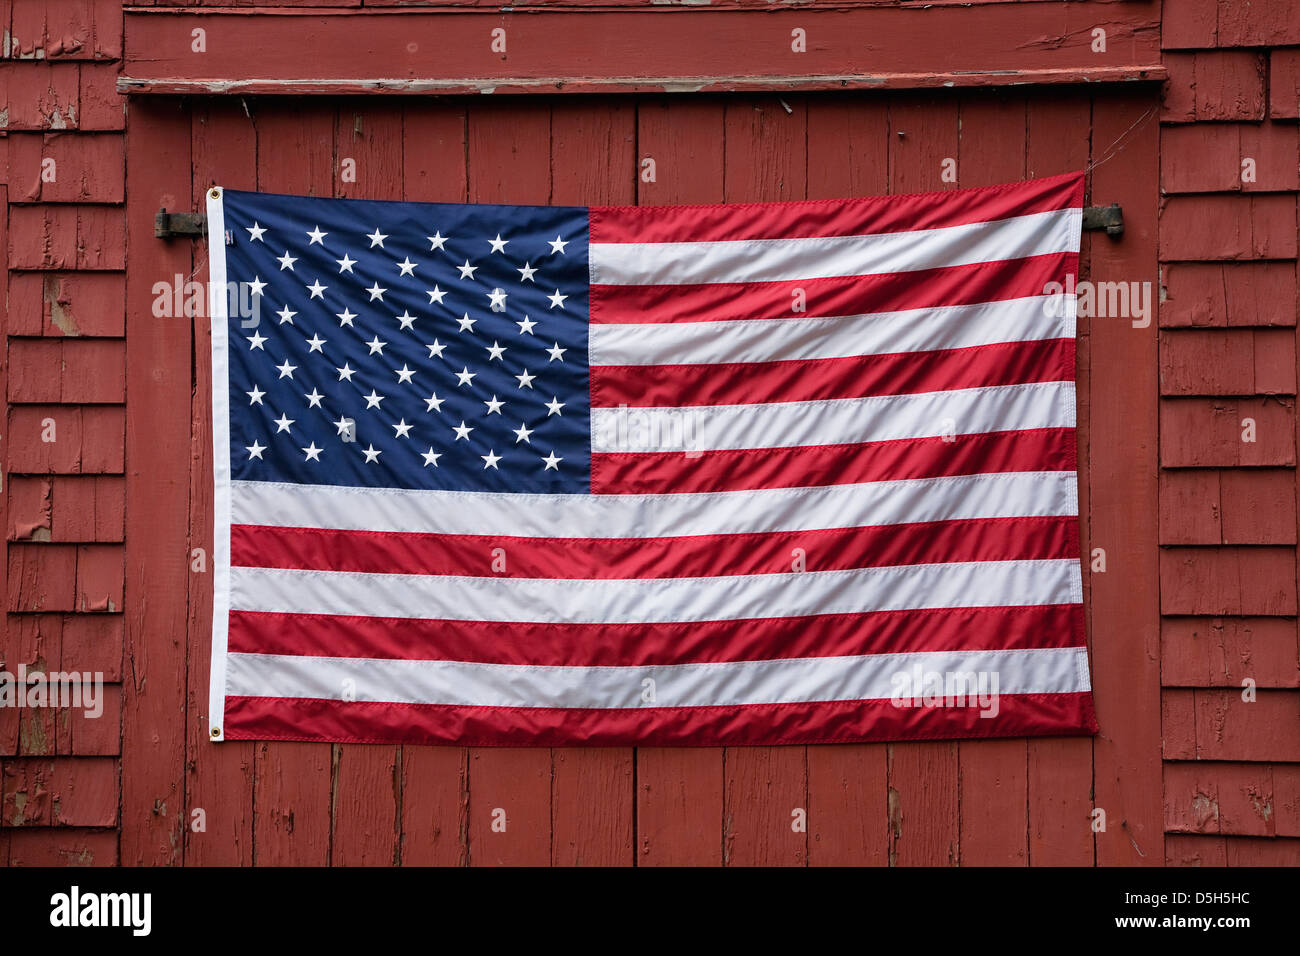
(680,793)
(637,49)
(219,780)
(158,371)
(1123,496)
(292,781)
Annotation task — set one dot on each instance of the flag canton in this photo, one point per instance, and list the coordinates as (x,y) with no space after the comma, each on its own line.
(408,345)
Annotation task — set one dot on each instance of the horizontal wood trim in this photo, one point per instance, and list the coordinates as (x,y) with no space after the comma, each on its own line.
(550,50)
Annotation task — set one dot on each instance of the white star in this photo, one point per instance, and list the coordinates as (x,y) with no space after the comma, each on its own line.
(436,241)
(255,450)
(495,351)
(522,433)
(407,267)
(255,396)
(402,428)
(312,452)
(554,405)
(462,430)
(552,461)
(346,316)
(407,320)
(403,374)
(344,424)
(431,457)
(526,273)
(465,375)
(317,237)
(346,372)
(376,292)
(525,380)
(494,406)
(255,232)
(526,325)
(373,399)
(286,315)
(467,270)
(556,353)
(256,286)
(435,295)
(498,244)
(313,398)
(434,403)
(558,245)
(282,423)
(315,342)
(466,323)
(346,263)
(498,303)
(557,299)
(286,261)
(372,455)
(376,346)
(490,460)
(436,349)
(286,370)
(255,341)
(376,238)
(317,290)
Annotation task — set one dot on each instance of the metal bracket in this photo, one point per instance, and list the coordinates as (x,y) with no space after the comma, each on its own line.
(170,225)
(1110,218)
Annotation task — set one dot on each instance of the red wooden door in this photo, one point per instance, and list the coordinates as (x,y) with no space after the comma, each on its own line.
(987,802)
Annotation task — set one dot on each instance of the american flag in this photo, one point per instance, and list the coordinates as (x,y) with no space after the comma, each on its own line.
(698,475)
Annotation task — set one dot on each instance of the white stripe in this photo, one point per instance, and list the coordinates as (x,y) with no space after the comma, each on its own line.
(221,504)
(655,600)
(880,333)
(458,683)
(1019,494)
(967,411)
(785,260)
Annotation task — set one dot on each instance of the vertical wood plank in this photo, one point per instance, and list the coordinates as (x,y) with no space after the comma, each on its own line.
(923,804)
(8,715)
(366,790)
(509,162)
(593,162)
(767,161)
(848,784)
(220,776)
(293,780)
(1058,125)
(434,790)
(157,498)
(923,777)
(435,807)
(994,775)
(924,133)
(680,791)
(1123,499)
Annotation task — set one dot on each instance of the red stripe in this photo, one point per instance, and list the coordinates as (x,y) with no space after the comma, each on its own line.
(627,645)
(834,217)
(1040,449)
(1019,715)
(900,373)
(838,295)
(831,549)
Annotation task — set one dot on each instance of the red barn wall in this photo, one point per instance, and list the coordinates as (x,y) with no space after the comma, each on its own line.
(1199,527)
